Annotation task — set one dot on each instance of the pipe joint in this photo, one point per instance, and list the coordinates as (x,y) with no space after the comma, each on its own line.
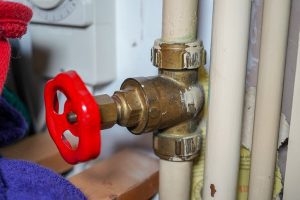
(178,56)
(177,147)
(169,104)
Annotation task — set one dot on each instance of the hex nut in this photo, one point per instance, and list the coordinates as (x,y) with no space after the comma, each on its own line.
(108,111)
(130,107)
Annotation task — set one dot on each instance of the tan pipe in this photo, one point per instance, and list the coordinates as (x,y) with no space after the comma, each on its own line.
(179,21)
(179,26)
(174,180)
(231,20)
(268,100)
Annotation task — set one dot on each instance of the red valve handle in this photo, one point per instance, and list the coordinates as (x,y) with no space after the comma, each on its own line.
(81,104)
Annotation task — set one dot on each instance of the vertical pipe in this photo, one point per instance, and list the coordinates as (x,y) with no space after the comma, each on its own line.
(179,21)
(174,180)
(292,179)
(179,26)
(231,20)
(268,100)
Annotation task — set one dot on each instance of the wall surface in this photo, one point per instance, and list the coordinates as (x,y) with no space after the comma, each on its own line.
(138,25)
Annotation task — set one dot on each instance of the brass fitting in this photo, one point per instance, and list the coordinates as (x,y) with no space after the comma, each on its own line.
(168,104)
(108,110)
(179,143)
(152,103)
(178,55)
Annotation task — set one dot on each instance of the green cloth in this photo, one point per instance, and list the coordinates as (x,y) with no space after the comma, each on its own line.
(17,103)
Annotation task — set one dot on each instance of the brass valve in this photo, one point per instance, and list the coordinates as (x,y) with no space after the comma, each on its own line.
(148,104)
(168,104)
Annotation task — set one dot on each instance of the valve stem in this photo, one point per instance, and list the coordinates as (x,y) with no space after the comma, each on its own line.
(72,117)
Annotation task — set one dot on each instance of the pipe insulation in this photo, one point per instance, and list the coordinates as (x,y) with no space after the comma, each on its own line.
(231,20)
(268,100)
(179,21)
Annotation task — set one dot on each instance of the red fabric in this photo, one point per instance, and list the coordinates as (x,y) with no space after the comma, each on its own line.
(14,18)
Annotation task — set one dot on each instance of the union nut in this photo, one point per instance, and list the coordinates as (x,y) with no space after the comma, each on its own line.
(129,107)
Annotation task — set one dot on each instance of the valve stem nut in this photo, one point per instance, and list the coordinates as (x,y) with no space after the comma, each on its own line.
(108,110)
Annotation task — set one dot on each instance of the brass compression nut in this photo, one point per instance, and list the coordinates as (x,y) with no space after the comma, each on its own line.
(178,55)
(108,110)
(177,147)
(129,105)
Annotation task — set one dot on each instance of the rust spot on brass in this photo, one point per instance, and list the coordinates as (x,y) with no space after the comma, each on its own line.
(212,190)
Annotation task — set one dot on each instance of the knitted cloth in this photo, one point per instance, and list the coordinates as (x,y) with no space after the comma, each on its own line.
(12,124)
(14,18)
(22,180)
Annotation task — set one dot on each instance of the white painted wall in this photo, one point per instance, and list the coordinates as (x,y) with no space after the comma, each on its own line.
(138,25)
(205,25)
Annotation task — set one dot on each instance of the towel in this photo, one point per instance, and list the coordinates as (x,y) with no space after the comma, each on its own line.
(14,18)
(15,101)
(22,180)
(12,124)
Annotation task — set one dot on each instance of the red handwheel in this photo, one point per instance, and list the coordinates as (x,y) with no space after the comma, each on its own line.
(80,116)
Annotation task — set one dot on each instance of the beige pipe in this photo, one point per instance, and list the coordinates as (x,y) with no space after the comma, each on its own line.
(231,20)
(179,26)
(268,100)
(179,21)
(174,180)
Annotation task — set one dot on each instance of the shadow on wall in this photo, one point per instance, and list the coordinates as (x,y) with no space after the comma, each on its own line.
(29,82)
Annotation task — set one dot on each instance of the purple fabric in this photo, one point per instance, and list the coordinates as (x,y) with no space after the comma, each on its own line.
(22,180)
(12,125)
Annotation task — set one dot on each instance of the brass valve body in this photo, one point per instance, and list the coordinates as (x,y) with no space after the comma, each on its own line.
(168,104)
(147,104)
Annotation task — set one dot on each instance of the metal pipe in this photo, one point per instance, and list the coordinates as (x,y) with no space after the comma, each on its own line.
(179,21)
(268,100)
(231,20)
